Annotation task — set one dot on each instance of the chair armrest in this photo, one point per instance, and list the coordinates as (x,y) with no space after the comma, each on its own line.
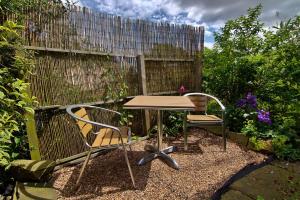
(203,94)
(96,123)
(69,111)
(69,108)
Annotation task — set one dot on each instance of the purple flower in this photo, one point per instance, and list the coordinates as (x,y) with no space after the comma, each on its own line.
(182,90)
(264,116)
(251,100)
(241,103)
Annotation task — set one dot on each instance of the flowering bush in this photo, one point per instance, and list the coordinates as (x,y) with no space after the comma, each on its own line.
(264,116)
(247,57)
(257,122)
(250,100)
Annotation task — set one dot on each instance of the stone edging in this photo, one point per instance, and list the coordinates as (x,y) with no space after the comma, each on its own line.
(240,174)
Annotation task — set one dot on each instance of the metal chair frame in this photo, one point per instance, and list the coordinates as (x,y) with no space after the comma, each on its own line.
(101,125)
(221,122)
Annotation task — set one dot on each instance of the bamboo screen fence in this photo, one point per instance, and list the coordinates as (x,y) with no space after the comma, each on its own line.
(77,52)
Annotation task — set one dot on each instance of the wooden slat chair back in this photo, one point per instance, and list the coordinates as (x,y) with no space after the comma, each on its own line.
(85,128)
(200,100)
(105,135)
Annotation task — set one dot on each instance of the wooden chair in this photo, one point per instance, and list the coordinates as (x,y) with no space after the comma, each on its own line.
(200,116)
(105,136)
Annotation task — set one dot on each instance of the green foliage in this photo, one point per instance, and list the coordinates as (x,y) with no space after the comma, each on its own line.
(250,128)
(17,7)
(284,149)
(234,118)
(259,144)
(259,198)
(228,71)
(249,58)
(172,125)
(114,79)
(126,118)
(15,64)
(278,77)
(116,90)
(173,122)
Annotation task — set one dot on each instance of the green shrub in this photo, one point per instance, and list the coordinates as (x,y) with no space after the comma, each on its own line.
(249,58)
(15,64)
(173,122)
(284,149)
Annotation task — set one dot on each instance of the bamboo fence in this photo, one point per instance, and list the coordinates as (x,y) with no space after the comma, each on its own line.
(77,50)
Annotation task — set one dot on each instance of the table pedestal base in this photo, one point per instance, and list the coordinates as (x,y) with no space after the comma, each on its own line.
(162,154)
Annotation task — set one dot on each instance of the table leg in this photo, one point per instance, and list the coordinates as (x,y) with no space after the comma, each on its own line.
(159,152)
(147,158)
(170,149)
(153,149)
(159,130)
(167,159)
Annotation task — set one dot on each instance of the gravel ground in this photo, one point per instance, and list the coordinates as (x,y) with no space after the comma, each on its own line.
(203,169)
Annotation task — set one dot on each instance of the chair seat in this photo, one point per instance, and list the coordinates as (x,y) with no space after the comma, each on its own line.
(203,118)
(108,136)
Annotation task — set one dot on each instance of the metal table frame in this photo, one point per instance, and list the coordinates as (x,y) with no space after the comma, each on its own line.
(158,152)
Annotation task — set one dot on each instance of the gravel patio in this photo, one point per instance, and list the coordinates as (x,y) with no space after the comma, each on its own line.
(203,169)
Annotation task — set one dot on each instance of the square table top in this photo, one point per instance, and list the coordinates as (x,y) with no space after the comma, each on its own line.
(160,103)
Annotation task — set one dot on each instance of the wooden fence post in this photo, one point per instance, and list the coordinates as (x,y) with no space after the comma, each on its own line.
(32,137)
(143,85)
(198,62)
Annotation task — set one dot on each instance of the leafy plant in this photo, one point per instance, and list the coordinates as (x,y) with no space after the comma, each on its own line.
(116,89)
(15,64)
(172,126)
(249,58)
(284,149)
(228,71)
(126,118)
(259,197)
(173,122)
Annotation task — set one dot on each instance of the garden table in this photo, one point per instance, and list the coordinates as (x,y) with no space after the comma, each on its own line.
(160,103)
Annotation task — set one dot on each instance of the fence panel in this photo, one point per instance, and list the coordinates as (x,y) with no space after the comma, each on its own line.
(82,55)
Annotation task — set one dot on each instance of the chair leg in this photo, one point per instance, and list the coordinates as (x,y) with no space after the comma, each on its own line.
(185,134)
(128,165)
(83,167)
(224,137)
(130,148)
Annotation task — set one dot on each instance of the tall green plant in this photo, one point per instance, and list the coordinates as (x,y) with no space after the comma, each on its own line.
(116,89)
(228,73)
(278,86)
(277,80)
(15,63)
(249,58)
